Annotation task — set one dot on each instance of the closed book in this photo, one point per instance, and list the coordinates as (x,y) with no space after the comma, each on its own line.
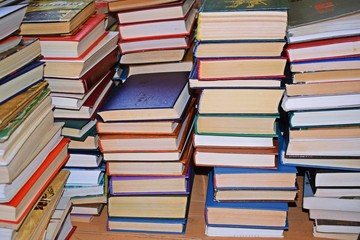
(177,9)
(25,52)
(311,20)
(85,82)
(154,56)
(21,80)
(14,212)
(337,226)
(235,214)
(76,127)
(154,29)
(117,6)
(51,17)
(78,44)
(258,20)
(146,225)
(147,97)
(9,42)
(326,76)
(10,19)
(215,231)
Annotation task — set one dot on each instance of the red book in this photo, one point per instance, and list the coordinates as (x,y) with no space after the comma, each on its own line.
(324,49)
(83,84)
(14,212)
(78,44)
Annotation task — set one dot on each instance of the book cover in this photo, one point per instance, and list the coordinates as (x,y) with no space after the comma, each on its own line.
(143,94)
(235,6)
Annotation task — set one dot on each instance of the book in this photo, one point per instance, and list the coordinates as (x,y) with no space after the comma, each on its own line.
(36,222)
(9,42)
(246,214)
(14,106)
(117,6)
(146,225)
(92,209)
(75,68)
(90,176)
(52,17)
(84,159)
(79,43)
(312,20)
(153,206)
(337,226)
(157,98)
(340,63)
(258,20)
(263,101)
(231,141)
(21,80)
(340,236)
(90,107)
(327,203)
(25,52)
(76,128)
(249,157)
(236,125)
(173,10)
(86,190)
(325,88)
(240,68)
(14,212)
(326,76)
(151,168)
(324,133)
(148,142)
(322,49)
(10,19)
(84,83)
(155,29)
(215,231)
(149,185)
(334,215)
(322,102)
(154,56)
(88,143)
(67,101)
(238,48)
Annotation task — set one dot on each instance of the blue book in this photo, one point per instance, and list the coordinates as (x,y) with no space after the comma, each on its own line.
(21,80)
(144,97)
(147,225)
(254,214)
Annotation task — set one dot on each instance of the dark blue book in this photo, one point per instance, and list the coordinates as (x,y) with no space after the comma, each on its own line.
(21,80)
(254,214)
(143,97)
(147,225)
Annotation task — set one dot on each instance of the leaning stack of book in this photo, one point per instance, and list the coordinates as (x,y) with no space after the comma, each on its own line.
(154,31)
(79,56)
(239,70)
(145,128)
(32,150)
(323,105)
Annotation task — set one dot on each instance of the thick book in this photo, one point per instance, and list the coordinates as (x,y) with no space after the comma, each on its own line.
(146,225)
(236,214)
(215,231)
(25,52)
(21,80)
(257,20)
(148,97)
(167,12)
(154,29)
(9,42)
(77,44)
(14,212)
(154,56)
(240,68)
(10,19)
(311,20)
(117,6)
(52,17)
(326,76)
(76,128)
(322,49)
(85,82)
(221,101)
(337,226)
(75,68)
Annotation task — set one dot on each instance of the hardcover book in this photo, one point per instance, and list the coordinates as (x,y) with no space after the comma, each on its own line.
(10,19)
(148,97)
(55,17)
(121,5)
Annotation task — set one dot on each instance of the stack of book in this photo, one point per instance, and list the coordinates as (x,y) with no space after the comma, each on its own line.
(79,56)
(323,104)
(32,150)
(154,31)
(239,71)
(144,136)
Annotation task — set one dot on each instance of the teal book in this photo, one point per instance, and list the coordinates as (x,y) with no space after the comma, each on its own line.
(78,129)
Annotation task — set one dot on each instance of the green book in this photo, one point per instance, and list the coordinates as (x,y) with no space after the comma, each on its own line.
(243,5)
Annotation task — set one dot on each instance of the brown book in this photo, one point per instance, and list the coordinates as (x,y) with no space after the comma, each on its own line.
(121,5)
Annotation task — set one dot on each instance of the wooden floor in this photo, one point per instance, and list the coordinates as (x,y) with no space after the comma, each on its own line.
(300,227)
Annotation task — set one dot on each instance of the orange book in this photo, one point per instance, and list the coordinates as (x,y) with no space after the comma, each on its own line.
(13,213)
